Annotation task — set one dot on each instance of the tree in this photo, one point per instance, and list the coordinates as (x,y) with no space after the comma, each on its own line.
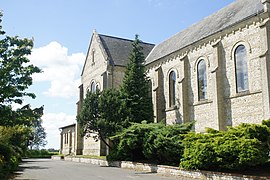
(15,73)
(135,87)
(108,112)
(16,126)
(102,114)
(38,134)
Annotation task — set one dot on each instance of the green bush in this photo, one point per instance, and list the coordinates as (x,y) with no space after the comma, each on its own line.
(240,147)
(154,142)
(39,154)
(128,145)
(9,160)
(164,145)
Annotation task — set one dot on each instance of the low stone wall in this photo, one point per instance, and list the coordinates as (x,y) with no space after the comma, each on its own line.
(57,157)
(99,162)
(161,169)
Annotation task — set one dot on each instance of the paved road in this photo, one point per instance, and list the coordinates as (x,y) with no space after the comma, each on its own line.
(46,169)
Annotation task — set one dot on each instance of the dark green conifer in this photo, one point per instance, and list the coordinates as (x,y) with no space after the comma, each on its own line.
(136,86)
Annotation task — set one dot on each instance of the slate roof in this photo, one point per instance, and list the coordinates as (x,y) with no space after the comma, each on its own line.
(226,17)
(71,125)
(118,49)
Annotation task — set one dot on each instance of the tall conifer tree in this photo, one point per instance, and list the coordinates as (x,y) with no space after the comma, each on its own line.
(136,86)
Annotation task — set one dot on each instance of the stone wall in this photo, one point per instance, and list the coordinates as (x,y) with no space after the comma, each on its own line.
(224,106)
(68,140)
(91,146)
(95,66)
(163,170)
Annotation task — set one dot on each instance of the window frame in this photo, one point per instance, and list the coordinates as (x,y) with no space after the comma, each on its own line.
(172,88)
(93,87)
(241,75)
(202,94)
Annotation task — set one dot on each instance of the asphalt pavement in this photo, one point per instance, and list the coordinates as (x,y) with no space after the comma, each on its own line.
(47,169)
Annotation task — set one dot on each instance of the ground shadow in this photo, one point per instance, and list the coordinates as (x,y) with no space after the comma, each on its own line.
(25,165)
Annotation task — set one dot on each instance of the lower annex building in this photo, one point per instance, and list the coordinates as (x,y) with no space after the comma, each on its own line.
(216,72)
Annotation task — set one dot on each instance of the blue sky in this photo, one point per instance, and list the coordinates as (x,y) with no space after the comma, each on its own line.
(62,29)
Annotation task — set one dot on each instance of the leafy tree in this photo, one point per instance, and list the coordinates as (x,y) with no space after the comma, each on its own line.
(15,73)
(16,126)
(135,87)
(102,114)
(38,135)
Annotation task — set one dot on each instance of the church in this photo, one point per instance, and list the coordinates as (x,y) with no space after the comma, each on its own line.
(216,72)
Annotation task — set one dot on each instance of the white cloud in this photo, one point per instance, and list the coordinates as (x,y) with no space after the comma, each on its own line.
(51,123)
(59,68)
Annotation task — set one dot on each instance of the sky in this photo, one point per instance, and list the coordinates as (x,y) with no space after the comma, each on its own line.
(61,30)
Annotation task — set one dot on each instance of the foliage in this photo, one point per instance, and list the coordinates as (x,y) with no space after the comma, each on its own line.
(107,112)
(135,87)
(16,126)
(164,145)
(9,160)
(38,134)
(240,147)
(153,142)
(39,153)
(15,70)
(101,113)
(129,142)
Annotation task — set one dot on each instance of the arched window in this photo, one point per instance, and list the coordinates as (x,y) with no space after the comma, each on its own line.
(241,70)
(93,87)
(172,88)
(202,80)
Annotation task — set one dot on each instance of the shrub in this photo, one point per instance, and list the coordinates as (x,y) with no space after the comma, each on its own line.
(39,154)
(164,145)
(129,143)
(9,160)
(154,142)
(239,148)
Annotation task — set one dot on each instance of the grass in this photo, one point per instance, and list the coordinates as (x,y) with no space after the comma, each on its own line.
(91,157)
(58,155)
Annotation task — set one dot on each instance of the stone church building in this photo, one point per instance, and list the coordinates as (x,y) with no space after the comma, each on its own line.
(216,72)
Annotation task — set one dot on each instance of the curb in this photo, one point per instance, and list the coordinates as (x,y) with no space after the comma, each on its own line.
(162,169)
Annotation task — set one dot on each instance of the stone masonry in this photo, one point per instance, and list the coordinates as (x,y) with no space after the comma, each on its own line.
(215,40)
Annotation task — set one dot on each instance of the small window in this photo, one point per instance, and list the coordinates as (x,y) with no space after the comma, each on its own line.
(150,88)
(93,87)
(202,80)
(172,88)
(93,56)
(241,69)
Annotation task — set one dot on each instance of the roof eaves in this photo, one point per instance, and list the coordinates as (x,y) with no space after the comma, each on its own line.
(253,15)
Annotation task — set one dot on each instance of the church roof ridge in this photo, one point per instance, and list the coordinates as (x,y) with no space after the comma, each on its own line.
(124,39)
(214,23)
(118,49)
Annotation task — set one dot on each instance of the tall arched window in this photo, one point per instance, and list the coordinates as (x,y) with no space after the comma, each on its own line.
(202,80)
(241,70)
(172,88)
(93,87)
